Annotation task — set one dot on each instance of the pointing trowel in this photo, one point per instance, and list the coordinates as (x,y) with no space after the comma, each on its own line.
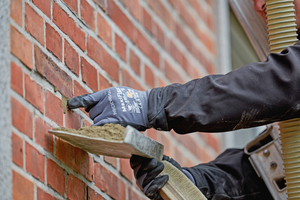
(179,187)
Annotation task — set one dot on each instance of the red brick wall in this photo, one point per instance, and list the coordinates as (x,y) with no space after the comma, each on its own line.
(65,48)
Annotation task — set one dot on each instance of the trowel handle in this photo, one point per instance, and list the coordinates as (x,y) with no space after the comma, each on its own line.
(179,187)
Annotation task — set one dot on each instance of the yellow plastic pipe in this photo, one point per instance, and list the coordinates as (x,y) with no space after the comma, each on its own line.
(283,33)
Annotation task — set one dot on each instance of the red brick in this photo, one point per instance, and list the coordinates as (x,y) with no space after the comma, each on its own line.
(202,12)
(199,56)
(104,30)
(149,76)
(178,56)
(133,195)
(111,160)
(78,89)
(129,81)
(183,37)
(73,4)
(178,156)
(42,137)
(161,83)
(135,63)
(196,5)
(53,41)
(53,108)
(147,20)
(55,177)
(135,8)
(120,47)
(42,195)
(89,74)
(210,2)
(87,14)
(86,123)
(211,141)
(203,155)
(76,158)
(125,169)
(175,53)
(72,120)
(184,62)
(193,72)
(211,67)
(172,74)
(186,162)
(109,183)
(75,188)
(68,26)
(160,35)
(17,149)
(102,4)
(174,3)
(188,142)
(21,117)
(209,43)
(165,140)
(44,6)
(106,62)
(83,110)
(191,162)
(166,44)
(34,93)
(152,133)
(34,24)
(34,162)
(186,16)
(121,20)
(21,47)
(147,48)
(210,22)
(16,11)
(71,58)
(52,72)
(162,12)
(22,188)
(16,78)
(181,60)
(93,195)
(103,83)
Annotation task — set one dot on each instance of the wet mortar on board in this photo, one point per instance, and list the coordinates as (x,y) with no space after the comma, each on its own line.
(108,131)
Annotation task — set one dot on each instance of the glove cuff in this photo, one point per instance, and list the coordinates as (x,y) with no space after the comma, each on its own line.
(156,112)
(189,175)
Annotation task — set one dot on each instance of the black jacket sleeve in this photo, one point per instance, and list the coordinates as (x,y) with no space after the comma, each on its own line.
(256,94)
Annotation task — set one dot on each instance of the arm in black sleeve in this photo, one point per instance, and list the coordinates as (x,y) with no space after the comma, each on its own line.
(229,176)
(254,95)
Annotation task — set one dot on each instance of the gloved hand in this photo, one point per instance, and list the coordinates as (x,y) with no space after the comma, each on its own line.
(118,105)
(146,171)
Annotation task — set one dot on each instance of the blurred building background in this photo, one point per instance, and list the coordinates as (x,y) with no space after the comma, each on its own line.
(56,49)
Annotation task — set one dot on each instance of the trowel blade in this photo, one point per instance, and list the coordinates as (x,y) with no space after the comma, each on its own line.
(134,143)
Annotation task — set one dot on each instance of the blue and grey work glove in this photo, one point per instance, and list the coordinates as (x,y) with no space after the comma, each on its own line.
(146,171)
(118,105)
